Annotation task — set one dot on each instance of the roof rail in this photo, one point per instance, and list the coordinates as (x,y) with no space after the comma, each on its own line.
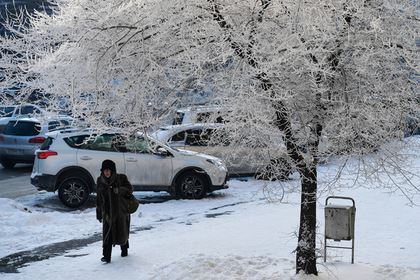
(71,130)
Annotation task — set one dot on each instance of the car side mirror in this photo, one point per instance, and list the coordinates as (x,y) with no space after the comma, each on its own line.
(120,147)
(162,152)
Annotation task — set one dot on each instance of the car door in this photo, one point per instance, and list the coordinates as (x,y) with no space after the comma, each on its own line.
(217,143)
(94,149)
(146,169)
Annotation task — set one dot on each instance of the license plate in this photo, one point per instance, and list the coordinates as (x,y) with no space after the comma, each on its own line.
(17,152)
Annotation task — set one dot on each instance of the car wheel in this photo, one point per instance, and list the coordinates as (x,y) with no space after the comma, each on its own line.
(73,192)
(7,163)
(278,169)
(192,185)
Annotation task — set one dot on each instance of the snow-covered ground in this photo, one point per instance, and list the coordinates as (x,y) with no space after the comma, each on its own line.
(233,234)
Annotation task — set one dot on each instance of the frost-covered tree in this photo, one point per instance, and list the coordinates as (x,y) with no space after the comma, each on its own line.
(320,78)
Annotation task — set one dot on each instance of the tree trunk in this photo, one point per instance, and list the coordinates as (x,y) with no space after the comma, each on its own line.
(305,256)
(305,252)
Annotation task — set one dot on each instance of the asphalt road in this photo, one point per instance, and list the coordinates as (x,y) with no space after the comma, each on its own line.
(16,182)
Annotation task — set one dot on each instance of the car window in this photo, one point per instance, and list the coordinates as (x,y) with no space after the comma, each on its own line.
(224,138)
(107,142)
(65,123)
(6,112)
(26,110)
(47,143)
(221,137)
(203,117)
(198,137)
(206,137)
(29,110)
(53,125)
(136,144)
(58,125)
(214,117)
(193,137)
(220,119)
(22,128)
(104,142)
(77,142)
(180,136)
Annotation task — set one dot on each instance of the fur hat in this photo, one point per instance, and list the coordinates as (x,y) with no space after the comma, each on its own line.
(108,164)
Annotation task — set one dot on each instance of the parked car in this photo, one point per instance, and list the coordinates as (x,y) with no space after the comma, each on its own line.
(23,110)
(69,162)
(22,136)
(198,114)
(249,159)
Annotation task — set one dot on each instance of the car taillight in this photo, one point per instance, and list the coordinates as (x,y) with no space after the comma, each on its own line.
(37,140)
(45,154)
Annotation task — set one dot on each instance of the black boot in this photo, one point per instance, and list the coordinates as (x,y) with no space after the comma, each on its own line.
(105,260)
(124,252)
(124,249)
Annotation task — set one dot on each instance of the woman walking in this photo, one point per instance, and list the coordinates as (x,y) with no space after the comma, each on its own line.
(111,209)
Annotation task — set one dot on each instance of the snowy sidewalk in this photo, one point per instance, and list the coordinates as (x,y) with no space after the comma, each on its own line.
(237,235)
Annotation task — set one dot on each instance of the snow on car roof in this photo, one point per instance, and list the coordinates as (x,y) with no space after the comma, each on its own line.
(69,132)
(199,108)
(166,131)
(190,125)
(41,119)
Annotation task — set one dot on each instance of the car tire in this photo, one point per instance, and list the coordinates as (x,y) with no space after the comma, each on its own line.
(278,169)
(73,192)
(192,185)
(7,163)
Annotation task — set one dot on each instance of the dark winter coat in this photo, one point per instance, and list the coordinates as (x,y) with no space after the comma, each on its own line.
(111,207)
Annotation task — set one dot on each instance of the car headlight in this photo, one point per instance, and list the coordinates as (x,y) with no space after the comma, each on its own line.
(217,163)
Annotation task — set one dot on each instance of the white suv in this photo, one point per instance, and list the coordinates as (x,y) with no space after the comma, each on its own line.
(69,162)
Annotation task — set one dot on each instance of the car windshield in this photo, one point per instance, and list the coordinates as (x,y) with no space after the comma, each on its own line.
(6,111)
(22,128)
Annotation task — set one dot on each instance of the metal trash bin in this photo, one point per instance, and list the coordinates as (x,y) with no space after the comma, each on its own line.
(339,224)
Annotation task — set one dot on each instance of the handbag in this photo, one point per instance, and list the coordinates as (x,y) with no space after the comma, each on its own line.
(132,204)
